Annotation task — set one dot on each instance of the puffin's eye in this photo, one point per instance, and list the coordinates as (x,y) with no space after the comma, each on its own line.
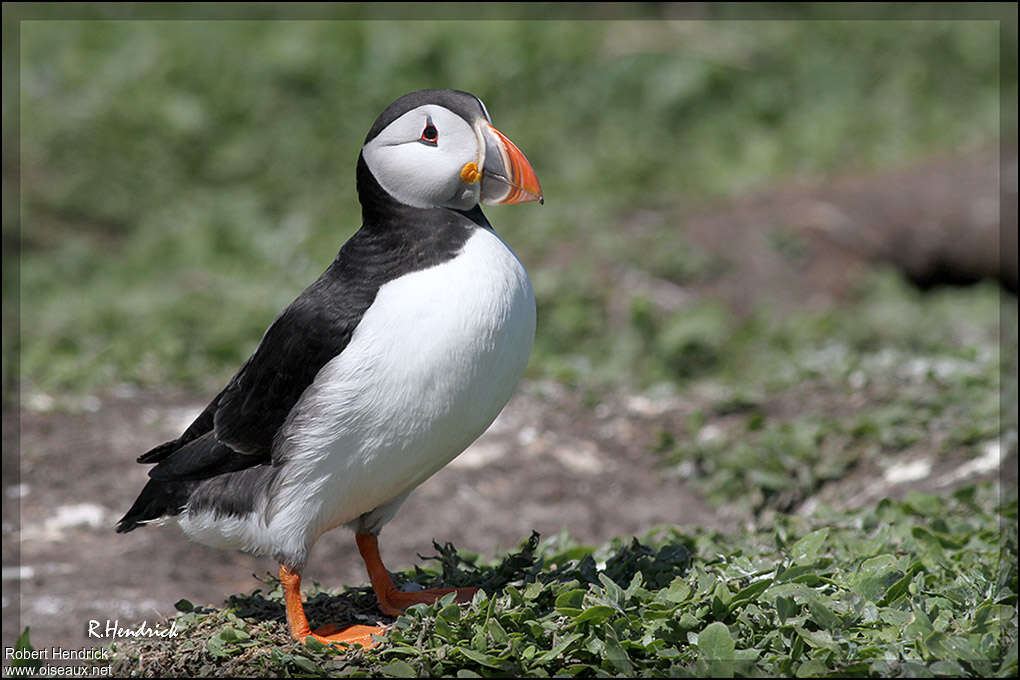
(430,135)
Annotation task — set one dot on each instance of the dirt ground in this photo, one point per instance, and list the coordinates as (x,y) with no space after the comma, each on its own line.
(547,464)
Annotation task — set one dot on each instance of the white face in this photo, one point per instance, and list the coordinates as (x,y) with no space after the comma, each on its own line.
(418,158)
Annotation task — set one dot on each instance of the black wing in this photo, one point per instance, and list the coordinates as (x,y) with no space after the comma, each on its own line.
(244,418)
(314,329)
(236,430)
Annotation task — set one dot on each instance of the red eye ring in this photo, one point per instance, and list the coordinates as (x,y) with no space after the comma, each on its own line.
(430,135)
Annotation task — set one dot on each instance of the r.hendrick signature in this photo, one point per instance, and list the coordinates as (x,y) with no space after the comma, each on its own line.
(143,630)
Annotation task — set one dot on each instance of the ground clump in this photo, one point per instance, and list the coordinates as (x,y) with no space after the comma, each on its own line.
(925,586)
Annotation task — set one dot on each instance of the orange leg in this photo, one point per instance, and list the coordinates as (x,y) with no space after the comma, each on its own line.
(291,581)
(393,602)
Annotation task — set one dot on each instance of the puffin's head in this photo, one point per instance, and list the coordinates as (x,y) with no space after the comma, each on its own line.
(438,148)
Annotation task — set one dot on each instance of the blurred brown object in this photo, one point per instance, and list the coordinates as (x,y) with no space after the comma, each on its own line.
(939,222)
(807,243)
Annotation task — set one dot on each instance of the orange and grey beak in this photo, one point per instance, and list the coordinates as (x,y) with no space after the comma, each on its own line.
(507,176)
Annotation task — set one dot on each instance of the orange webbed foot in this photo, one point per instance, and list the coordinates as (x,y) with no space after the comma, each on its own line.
(328,634)
(352,635)
(393,602)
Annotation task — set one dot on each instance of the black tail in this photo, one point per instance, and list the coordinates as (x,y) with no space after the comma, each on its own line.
(157,499)
(180,469)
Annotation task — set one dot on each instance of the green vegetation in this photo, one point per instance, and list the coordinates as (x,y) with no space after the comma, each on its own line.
(892,376)
(921,588)
(183,180)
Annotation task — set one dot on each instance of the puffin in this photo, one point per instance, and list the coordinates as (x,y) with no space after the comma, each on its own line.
(377,375)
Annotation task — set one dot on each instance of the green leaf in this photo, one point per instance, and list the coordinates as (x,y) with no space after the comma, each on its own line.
(613,592)
(823,616)
(876,576)
(950,647)
(617,656)
(787,608)
(496,631)
(29,657)
(948,668)
(479,641)
(516,599)
(444,629)
(532,590)
(749,594)
(715,642)
(791,574)
(183,605)
(660,610)
(689,621)
(805,551)
(896,590)
(481,658)
(920,625)
(570,602)
(819,639)
(595,615)
(450,612)
(721,599)
(812,668)
(561,645)
(306,664)
(925,504)
(678,590)
(895,617)
(635,584)
(991,617)
(229,635)
(216,647)
(398,669)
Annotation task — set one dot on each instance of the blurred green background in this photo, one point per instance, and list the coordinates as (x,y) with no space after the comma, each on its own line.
(183,180)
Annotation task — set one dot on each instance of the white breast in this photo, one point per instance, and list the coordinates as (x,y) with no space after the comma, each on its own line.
(427,370)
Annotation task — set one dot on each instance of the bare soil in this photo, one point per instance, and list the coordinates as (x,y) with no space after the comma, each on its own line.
(549,463)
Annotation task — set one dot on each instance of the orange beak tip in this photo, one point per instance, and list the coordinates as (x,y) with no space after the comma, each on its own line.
(520,176)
